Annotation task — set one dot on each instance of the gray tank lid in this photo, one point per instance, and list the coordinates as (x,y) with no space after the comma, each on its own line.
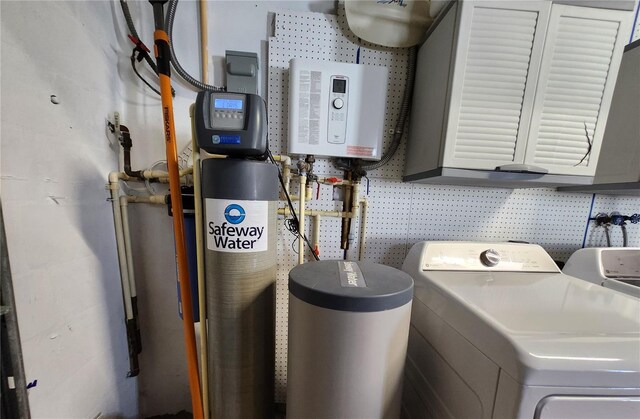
(350,286)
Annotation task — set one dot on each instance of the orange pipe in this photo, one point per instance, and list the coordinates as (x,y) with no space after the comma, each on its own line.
(161,50)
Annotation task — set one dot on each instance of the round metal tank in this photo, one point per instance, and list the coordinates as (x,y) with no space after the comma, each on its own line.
(348,332)
(240,201)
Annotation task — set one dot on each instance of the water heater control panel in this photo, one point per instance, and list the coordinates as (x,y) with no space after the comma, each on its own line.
(233,124)
(336,109)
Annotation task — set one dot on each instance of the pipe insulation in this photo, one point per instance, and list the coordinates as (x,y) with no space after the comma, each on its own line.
(241,198)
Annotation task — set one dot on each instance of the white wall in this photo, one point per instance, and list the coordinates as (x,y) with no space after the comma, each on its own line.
(55,159)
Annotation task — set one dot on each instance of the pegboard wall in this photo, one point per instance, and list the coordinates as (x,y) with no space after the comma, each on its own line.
(402,214)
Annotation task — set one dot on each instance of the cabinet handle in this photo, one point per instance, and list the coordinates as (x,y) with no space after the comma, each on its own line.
(522,168)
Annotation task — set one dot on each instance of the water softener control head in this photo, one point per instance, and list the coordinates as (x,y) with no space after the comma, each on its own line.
(234,124)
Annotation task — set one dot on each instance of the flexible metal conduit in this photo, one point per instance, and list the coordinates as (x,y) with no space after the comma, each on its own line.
(171,15)
(404,113)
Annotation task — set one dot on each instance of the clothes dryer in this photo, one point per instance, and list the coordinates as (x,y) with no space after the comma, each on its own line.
(498,331)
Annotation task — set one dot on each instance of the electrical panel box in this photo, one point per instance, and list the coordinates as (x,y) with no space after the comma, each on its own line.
(336,109)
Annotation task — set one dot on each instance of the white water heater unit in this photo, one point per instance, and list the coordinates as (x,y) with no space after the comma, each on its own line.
(336,109)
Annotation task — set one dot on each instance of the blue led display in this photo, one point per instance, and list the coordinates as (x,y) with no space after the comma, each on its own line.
(235,104)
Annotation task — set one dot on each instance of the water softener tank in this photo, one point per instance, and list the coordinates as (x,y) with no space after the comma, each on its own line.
(348,332)
(240,201)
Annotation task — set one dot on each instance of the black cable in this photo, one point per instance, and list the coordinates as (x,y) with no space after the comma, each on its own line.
(292,224)
(143,51)
(135,70)
(134,32)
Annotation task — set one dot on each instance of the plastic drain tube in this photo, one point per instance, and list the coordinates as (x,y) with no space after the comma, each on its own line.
(161,40)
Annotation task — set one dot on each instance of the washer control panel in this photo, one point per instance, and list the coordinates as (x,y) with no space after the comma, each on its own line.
(338,108)
(470,256)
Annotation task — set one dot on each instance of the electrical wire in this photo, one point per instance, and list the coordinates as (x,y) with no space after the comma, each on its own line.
(292,224)
(140,47)
(132,31)
(624,235)
(171,15)
(135,70)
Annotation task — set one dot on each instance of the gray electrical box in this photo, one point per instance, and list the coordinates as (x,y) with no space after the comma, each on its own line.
(242,72)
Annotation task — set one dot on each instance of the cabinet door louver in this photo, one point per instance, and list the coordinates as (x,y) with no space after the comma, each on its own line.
(492,90)
(574,90)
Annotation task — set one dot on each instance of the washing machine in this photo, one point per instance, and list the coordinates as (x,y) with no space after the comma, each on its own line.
(617,268)
(498,331)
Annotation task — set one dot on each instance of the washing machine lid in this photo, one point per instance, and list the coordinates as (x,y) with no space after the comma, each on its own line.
(542,328)
(616,268)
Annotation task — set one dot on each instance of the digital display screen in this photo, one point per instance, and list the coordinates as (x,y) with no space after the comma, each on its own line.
(339,86)
(234,104)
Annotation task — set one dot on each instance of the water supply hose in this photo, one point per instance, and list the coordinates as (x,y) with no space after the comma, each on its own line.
(161,40)
(171,15)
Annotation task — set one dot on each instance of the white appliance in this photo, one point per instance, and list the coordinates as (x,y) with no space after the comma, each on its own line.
(336,109)
(497,331)
(615,268)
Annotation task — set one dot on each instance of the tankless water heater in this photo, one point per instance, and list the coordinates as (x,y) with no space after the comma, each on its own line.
(336,109)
